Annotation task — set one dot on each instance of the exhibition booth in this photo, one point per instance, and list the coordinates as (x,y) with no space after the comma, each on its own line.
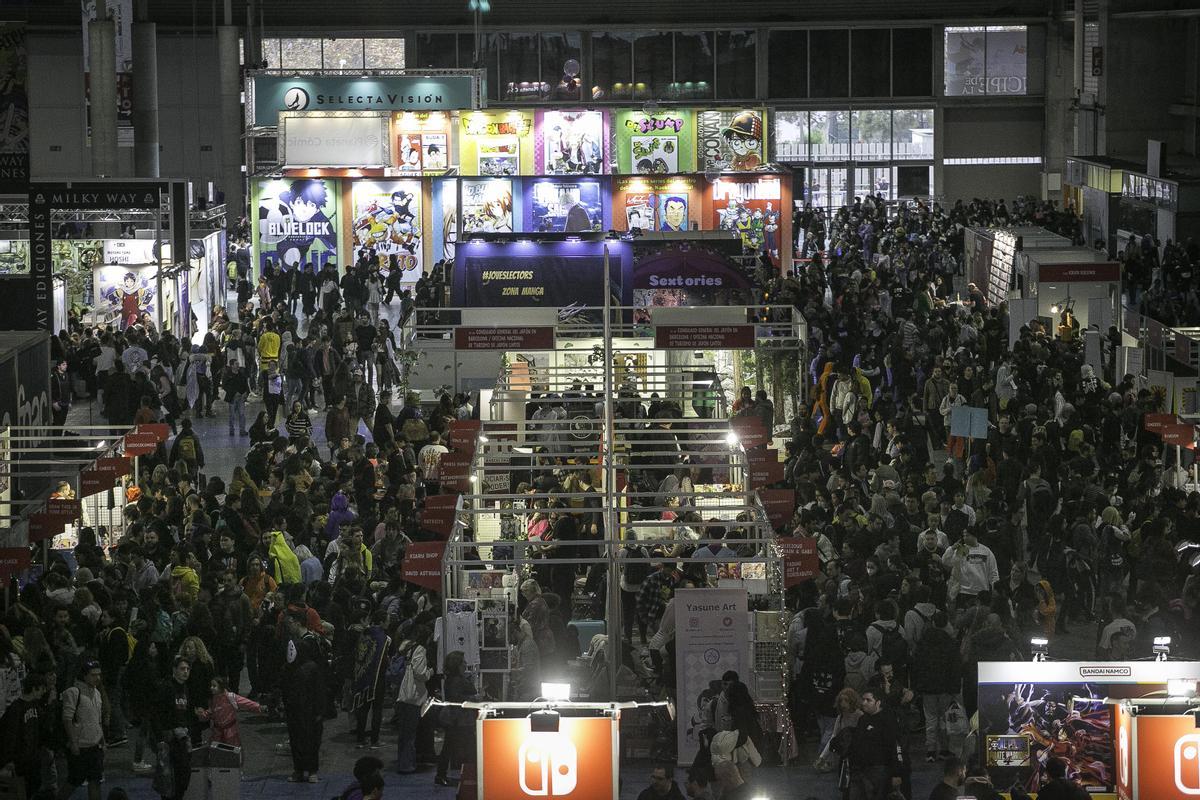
(1126,729)
(405,166)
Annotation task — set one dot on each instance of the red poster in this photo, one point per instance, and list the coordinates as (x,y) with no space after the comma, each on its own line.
(703,337)
(454,471)
(1168,757)
(94,481)
(161,430)
(119,466)
(463,433)
(44,526)
(529,338)
(780,505)
(437,516)
(13,561)
(66,510)
(423,564)
(140,444)
(1101,272)
(750,431)
(1155,422)
(763,467)
(800,560)
(1182,435)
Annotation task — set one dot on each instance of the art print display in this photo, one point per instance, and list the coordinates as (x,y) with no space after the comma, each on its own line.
(751,209)
(129,291)
(729,140)
(295,222)
(387,220)
(562,206)
(573,142)
(640,211)
(672,212)
(422,152)
(499,155)
(655,144)
(14,106)
(487,206)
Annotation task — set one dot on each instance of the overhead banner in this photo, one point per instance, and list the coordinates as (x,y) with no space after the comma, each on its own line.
(712,636)
(731,140)
(14,109)
(295,222)
(511,338)
(655,144)
(309,140)
(437,515)
(387,219)
(546,274)
(497,143)
(800,560)
(578,761)
(271,94)
(703,337)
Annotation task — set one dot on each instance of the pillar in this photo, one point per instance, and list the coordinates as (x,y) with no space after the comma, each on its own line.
(102,82)
(232,150)
(145,100)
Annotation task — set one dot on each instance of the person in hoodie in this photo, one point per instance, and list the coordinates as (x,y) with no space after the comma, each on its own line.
(339,515)
(974,564)
(311,569)
(221,713)
(282,562)
(937,678)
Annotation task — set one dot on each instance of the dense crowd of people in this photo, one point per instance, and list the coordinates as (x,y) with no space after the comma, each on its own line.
(283,578)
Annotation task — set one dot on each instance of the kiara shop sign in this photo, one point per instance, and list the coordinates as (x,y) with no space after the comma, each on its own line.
(273,94)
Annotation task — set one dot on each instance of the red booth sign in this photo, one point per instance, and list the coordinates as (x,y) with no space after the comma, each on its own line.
(140,444)
(44,526)
(1098,272)
(437,516)
(800,560)
(1183,435)
(703,337)
(13,561)
(161,430)
(1155,422)
(532,338)
(103,475)
(423,564)
(463,433)
(750,431)
(779,504)
(763,468)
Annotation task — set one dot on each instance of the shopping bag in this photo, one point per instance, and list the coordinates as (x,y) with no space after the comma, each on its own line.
(955,719)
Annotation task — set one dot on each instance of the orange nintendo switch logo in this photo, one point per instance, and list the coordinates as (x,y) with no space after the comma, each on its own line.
(1168,751)
(574,763)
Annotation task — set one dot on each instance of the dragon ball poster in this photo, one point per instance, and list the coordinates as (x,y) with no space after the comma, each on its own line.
(751,208)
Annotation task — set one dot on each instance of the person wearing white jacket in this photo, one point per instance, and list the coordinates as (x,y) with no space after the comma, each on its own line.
(413,694)
(83,721)
(973,563)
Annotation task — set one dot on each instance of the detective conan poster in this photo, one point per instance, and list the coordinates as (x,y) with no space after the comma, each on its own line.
(295,222)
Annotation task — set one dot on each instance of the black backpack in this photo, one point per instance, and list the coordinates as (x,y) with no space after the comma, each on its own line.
(637,565)
(893,648)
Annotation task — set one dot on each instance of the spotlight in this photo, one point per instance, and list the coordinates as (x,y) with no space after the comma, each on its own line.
(1039,647)
(483,439)
(474,479)
(556,691)
(543,722)
(1055,308)
(1162,648)
(731,439)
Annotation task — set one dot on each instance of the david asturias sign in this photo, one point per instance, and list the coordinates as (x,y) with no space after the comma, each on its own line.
(273,94)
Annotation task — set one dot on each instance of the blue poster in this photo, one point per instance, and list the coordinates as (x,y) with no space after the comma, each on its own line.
(564,206)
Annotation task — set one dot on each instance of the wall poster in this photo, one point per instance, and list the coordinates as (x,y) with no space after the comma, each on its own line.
(572,142)
(387,219)
(295,222)
(655,144)
(655,205)
(422,141)
(558,206)
(487,206)
(712,635)
(750,208)
(14,108)
(729,140)
(128,290)
(497,143)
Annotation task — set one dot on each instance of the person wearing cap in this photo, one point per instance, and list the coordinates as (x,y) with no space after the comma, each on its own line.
(83,723)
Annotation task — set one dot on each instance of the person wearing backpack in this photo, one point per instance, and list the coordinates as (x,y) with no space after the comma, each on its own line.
(937,678)
(885,637)
(367,680)
(83,715)
(413,691)
(636,570)
(186,450)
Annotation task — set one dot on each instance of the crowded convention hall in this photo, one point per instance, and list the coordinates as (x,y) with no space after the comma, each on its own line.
(515,402)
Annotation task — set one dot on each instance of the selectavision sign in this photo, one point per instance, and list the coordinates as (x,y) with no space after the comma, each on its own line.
(273,94)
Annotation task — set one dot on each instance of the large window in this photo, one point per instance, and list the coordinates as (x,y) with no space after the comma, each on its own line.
(693,66)
(829,63)
(862,135)
(787,62)
(986,60)
(872,135)
(737,64)
(351,53)
(912,62)
(829,135)
(871,62)
(612,66)
(912,133)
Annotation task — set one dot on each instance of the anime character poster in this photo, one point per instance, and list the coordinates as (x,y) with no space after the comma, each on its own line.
(129,291)
(487,206)
(387,219)
(655,144)
(639,211)
(750,208)
(560,206)
(421,152)
(729,140)
(295,222)
(672,211)
(499,155)
(655,155)
(573,142)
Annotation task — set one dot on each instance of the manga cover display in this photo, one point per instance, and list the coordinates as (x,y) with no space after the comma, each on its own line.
(573,142)
(499,155)
(557,206)
(387,219)
(730,140)
(639,211)
(295,222)
(128,290)
(672,212)
(487,206)
(654,144)
(655,155)
(750,208)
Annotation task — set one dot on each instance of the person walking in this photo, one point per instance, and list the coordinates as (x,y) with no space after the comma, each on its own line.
(367,680)
(412,695)
(83,715)
(458,723)
(304,707)
(237,389)
(875,755)
(175,718)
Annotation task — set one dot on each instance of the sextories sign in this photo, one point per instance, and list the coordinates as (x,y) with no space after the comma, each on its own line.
(273,94)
